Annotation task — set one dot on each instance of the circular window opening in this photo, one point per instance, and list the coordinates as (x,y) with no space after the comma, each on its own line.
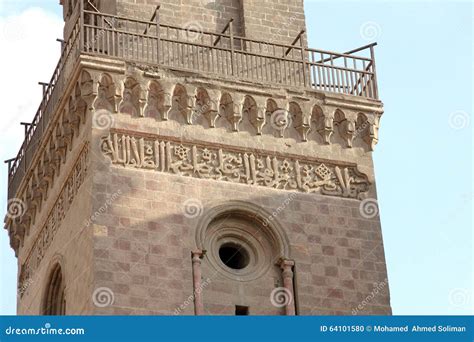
(234,256)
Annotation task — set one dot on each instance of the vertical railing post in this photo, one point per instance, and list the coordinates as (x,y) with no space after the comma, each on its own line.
(374,70)
(232,47)
(25,155)
(158,32)
(10,162)
(303,57)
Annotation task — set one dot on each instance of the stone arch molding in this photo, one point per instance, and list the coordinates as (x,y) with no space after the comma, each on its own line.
(189,104)
(251,213)
(56,268)
(249,229)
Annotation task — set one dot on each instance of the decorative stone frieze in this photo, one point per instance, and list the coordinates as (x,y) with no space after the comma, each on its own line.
(226,163)
(176,98)
(143,96)
(56,215)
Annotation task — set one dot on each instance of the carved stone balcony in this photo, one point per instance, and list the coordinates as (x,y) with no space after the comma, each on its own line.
(217,55)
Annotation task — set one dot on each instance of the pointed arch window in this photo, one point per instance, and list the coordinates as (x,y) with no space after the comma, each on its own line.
(55,300)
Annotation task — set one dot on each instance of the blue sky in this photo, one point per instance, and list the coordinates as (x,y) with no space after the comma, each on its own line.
(423,163)
(424,158)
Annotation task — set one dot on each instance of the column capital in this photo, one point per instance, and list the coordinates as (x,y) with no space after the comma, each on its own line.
(285,263)
(197,255)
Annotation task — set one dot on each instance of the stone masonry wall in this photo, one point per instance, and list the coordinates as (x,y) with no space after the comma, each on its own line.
(143,240)
(278,21)
(144,252)
(268,20)
(126,231)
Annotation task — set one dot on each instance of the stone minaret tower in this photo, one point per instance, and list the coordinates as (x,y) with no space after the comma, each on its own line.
(199,159)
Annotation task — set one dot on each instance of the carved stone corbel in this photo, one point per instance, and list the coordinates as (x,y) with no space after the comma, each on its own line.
(58,148)
(142,100)
(87,89)
(324,120)
(236,117)
(108,96)
(167,105)
(372,138)
(19,230)
(116,94)
(33,187)
(187,111)
(131,93)
(167,99)
(29,219)
(211,109)
(232,108)
(347,131)
(303,122)
(259,119)
(74,119)
(67,130)
(46,173)
(154,100)
(346,126)
(280,118)
(44,186)
(183,104)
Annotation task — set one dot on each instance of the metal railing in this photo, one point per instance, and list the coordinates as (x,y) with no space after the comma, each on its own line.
(52,94)
(222,54)
(228,55)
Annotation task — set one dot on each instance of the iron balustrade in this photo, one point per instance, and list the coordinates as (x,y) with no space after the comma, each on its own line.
(224,55)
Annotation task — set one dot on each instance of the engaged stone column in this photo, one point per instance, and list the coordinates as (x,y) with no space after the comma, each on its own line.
(287,275)
(196,257)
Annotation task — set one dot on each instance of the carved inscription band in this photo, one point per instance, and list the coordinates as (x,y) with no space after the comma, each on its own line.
(231,165)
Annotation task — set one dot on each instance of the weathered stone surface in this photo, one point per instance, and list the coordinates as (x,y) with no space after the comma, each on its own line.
(147,173)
